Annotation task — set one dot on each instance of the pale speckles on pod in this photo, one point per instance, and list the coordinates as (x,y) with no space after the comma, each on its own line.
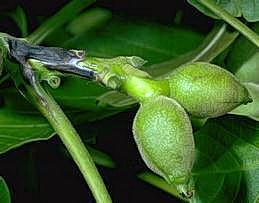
(163,133)
(206,90)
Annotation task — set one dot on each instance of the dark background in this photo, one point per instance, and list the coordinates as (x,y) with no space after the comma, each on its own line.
(40,172)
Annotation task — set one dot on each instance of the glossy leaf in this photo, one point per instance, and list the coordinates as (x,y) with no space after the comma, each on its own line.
(227,161)
(20,123)
(19,128)
(243,61)
(4,192)
(250,110)
(248,9)
(219,38)
(153,42)
(76,93)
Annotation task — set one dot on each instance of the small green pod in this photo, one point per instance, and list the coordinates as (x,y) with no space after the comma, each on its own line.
(163,133)
(206,90)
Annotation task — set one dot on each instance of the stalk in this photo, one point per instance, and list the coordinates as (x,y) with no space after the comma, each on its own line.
(60,123)
(159,182)
(242,28)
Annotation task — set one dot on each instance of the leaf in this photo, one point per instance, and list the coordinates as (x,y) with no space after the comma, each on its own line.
(250,110)
(19,17)
(231,6)
(227,160)
(237,8)
(153,42)
(64,15)
(21,123)
(243,61)
(17,129)
(77,93)
(219,38)
(90,19)
(250,10)
(4,192)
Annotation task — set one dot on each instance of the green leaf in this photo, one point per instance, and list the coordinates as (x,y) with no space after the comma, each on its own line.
(232,6)
(243,61)
(101,158)
(19,17)
(64,15)
(219,38)
(250,110)
(248,9)
(21,127)
(77,93)
(17,129)
(4,192)
(153,42)
(227,160)
(91,19)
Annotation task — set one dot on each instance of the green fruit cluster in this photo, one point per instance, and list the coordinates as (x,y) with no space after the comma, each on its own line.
(162,128)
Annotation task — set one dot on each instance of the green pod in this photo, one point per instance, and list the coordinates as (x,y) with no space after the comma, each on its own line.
(206,90)
(163,133)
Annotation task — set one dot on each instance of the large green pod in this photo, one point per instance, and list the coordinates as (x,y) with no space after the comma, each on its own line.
(206,90)
(163,133)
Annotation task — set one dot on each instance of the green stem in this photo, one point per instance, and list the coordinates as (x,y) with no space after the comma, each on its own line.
(4,78)
(142,89)
(242,28)
(67,13)
(160,183)
(58,120)
(120,73)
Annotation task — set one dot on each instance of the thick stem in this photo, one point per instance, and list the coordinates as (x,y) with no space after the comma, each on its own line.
(242,28)
(64,15)
(58,120)
(160,183)
(142,89)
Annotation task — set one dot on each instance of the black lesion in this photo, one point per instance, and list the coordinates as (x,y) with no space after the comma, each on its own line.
(52,57)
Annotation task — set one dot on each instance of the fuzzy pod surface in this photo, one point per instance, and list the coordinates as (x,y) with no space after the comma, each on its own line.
(163,134)
(206,90)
